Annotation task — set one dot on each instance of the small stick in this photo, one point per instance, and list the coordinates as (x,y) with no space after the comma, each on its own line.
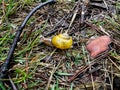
(105,4)
(78,73)
(73,18)
(83,69)
(54,28)
(99,5)
(84,9)
(94,27)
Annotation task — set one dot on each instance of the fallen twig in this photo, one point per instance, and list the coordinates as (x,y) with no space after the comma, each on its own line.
(84,10)
(83,70)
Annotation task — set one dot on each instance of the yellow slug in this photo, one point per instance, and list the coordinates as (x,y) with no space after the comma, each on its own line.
(62,41)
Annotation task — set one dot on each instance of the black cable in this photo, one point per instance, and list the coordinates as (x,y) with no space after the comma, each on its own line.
(4,68)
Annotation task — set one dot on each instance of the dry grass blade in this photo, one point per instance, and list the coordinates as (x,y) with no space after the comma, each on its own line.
(53,71)
(13,85)
(115,64)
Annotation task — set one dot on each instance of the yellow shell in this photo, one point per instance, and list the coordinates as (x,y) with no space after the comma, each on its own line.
(62,41)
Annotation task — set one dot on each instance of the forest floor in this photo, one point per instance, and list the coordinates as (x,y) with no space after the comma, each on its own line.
(38,66)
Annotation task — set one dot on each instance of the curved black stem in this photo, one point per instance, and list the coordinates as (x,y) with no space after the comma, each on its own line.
(4,67)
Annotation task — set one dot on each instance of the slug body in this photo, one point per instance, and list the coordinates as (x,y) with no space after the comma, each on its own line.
(62,41)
